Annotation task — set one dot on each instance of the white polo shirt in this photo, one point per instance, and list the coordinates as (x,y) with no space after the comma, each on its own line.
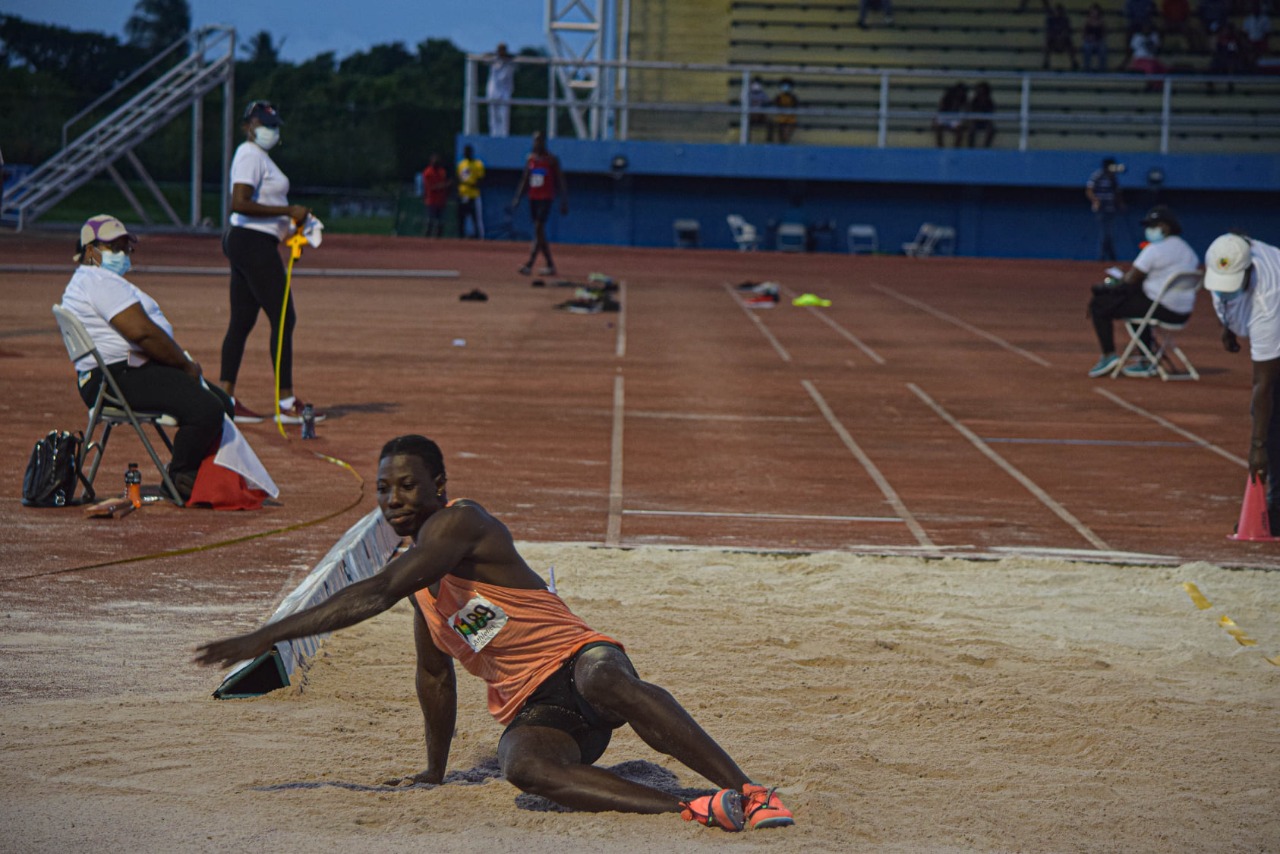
(1255,314)
(1161,262)
(95,295)
(254,167)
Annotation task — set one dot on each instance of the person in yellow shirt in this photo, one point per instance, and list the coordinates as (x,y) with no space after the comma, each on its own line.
(470,174)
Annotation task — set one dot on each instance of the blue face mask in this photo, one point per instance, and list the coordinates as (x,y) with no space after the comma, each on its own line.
(1154,234)
(116,262)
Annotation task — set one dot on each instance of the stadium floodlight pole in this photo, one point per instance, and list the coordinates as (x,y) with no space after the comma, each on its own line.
(470,119)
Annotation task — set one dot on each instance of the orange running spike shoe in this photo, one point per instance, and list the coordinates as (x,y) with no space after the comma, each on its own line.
(762,808)
(722,810)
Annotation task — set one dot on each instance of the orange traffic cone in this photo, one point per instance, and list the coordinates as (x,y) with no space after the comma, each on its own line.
(1254,525)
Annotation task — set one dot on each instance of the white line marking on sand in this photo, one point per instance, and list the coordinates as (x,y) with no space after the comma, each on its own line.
(613,533)
(1169,425)
(860,455)
(764,330)
(840,330)
(1030,485)
(782,517)
(942,315)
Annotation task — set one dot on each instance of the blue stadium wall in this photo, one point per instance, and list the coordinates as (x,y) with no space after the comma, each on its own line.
(1001,203)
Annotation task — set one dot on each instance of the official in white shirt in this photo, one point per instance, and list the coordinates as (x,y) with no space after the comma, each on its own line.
(1243,275)
(136,341)
(1165,256)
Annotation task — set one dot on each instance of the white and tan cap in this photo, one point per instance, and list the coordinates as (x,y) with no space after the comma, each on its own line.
(1226,262)
(102,228)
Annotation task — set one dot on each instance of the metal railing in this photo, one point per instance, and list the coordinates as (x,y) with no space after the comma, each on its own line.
(879,101)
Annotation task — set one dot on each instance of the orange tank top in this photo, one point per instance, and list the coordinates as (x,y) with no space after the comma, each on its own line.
(513,639)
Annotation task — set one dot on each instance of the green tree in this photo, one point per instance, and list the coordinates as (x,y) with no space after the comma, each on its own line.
(156,24)
(262,50)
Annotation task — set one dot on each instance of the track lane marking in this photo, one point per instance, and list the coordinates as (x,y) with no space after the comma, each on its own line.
(613,532)
(840,330)
(782,517)
(888,491)
(965,325)
(1030,485)
(1169,425)
(764,330)
(620,349)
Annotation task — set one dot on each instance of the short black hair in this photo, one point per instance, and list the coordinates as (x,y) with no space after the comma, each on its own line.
(421,447)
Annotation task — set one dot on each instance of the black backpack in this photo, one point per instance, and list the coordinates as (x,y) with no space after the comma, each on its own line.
(51,475)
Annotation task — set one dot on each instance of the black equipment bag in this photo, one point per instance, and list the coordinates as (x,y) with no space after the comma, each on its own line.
(51,475)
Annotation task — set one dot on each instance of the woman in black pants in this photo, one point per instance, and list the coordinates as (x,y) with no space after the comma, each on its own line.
(261,217)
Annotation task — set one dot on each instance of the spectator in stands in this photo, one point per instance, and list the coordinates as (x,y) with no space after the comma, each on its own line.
(1137,13)
(1212,14)
(1257,29)
(1105,199)
(1057,36)
(501,86)
(981,111)
(1175,19)
(1143,48)
(784,124)
(951,109)
(1164,256)
(757,100)
(1093,40)
(1229,56)
(885,6)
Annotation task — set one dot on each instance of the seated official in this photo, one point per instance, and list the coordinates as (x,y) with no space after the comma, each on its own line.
(1165,256)
(136,342)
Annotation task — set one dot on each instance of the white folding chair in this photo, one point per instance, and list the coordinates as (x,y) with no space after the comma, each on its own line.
(110,408)
(686,233)
(744,233)
(793,237)
(863,238)
(931,240)
(1167,351)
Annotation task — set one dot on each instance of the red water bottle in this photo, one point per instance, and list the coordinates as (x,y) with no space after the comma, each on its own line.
(133,485)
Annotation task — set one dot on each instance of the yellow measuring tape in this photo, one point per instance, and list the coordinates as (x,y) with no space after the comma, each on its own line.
(1228,624)
(295,244)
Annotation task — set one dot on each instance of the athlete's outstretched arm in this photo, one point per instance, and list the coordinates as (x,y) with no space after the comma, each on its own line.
(446,539)
(437,688)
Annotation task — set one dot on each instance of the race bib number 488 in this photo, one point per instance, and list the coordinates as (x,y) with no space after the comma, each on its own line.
(478,622)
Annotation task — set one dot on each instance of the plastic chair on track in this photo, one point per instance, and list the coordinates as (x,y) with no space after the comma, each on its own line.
(744,233)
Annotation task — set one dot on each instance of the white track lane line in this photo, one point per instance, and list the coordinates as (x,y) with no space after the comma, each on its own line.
(1030,485)
(764,330)
(613,534)
(840,330)
(942,315)
(1168,425)
(620,350)
(861,456)
(782,517)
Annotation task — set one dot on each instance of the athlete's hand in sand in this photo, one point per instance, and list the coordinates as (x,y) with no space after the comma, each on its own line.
(225,653)
(428,777)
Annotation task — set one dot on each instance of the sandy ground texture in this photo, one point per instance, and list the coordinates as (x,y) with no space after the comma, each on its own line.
(899,705)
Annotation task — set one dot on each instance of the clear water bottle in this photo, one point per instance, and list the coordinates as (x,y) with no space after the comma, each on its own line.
(308,421)
(133,485)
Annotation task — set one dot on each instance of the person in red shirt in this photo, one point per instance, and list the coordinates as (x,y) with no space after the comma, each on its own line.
(435,194)
(543,178)
(560,687)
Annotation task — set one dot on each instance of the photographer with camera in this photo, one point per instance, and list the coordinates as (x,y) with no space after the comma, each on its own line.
(1105,199)
(1164,256)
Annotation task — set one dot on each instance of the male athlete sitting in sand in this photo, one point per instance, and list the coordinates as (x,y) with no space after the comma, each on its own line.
(560,687)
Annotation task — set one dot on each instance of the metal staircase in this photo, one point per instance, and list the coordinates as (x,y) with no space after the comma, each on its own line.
(208,63)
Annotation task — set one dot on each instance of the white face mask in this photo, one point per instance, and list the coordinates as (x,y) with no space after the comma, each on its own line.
(266,137)
(115,262)
(1154,234)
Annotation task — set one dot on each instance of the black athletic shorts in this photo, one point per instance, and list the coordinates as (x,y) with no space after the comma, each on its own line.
(556,703)
(540,209)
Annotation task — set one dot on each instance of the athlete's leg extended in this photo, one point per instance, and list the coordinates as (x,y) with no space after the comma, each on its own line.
(605,679)
(546,761)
